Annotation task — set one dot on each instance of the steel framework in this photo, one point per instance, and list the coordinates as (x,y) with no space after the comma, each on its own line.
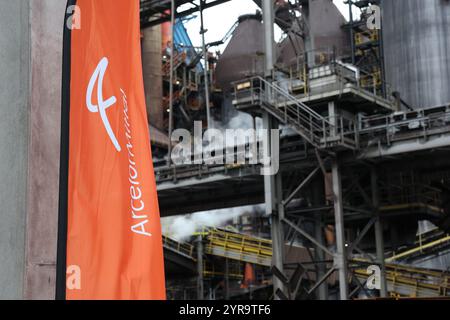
(355,164)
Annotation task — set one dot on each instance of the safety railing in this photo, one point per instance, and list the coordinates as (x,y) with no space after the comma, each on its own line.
(321,132)
(422,248)
(309,124)
(193,80)
(235,246)
(405,125)
(240,242)
(299,80)
(235,270)
(413,282)
(410,193)
(178,246)
(323,62)
(239,247)
(178,59)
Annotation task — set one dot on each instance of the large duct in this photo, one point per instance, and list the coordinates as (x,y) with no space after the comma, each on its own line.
(416,36)
(244,55)
(289,49)
(323,31)
(325,22)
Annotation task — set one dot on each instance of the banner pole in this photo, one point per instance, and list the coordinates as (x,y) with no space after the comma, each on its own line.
(61,256)
(172,53)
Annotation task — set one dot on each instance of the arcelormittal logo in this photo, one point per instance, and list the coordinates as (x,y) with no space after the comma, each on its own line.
(99,74)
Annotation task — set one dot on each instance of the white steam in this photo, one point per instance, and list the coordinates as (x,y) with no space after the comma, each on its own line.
(182,227)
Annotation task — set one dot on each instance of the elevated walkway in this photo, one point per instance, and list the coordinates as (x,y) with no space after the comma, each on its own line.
(422,247)
(404,281)
(239,247)
(226,244)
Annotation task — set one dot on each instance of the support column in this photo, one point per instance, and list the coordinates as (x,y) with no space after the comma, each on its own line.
(322,291)
(319,200)
(274,209)
(277,232)
(273,184)
(379,240)
(340,256)
(200,284)
(227,279)
(172,52)
(268,19)
(332,115)
(205,69)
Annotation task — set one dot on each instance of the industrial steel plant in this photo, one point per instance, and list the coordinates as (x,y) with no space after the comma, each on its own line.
(302,155)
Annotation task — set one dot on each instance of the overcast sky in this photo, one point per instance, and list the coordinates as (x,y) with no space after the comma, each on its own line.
(219,19)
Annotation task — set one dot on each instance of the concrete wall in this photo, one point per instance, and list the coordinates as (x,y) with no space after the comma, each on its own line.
(14,117)
(47,23)
(30,102)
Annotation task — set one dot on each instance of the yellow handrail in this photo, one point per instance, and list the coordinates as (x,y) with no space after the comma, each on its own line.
(418,249)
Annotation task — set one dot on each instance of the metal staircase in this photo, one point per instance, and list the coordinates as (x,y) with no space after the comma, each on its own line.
(178,61)
(321,132)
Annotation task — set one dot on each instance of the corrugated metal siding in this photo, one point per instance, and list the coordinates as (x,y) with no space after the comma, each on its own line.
(417,50)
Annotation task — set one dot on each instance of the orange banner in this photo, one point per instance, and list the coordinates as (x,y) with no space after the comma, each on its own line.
(113,244)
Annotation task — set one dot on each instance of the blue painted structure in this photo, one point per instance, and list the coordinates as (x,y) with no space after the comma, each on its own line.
(182,42)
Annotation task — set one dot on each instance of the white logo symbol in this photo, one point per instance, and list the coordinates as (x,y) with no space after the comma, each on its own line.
(99,74)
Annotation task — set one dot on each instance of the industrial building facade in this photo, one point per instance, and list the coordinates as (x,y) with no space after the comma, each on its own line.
(359,208)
